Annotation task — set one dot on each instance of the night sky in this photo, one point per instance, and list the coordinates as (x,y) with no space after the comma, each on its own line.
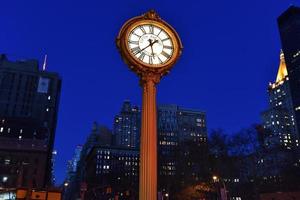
(231,53)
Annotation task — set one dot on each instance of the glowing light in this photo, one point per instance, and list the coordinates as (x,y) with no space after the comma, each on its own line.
(4,179)
(215,178)
(282,71)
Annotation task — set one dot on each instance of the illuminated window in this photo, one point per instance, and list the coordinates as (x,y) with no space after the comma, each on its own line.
(1,129)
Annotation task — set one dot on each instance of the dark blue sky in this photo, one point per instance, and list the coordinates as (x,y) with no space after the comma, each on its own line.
(231,52)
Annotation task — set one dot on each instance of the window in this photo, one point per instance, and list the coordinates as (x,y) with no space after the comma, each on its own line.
(7,161)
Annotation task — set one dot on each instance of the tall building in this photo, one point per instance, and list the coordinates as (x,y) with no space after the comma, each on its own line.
(289,28)
(100,135)
(182,138)
(112,171)
(167,139)
(182,152)
(127,126)
(53,160)
(279,120)
(29,101)
(72,164)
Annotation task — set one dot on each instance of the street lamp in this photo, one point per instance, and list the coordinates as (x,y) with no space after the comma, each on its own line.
(223,193)
(215,178)
(4,179)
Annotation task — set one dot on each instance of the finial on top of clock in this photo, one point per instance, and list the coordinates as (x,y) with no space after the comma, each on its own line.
(151,14)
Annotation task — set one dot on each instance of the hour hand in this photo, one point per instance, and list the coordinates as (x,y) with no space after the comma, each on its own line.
(154,42)
(152,49)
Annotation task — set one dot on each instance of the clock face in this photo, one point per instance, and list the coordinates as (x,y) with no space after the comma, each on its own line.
(150,44)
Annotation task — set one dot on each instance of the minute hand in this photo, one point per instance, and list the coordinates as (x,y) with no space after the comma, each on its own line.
(152,46)
(147,46)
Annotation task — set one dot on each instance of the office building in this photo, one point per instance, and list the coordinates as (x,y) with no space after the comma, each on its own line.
(112,171)
(126,128)
(29,100)
(279,119)
(182,137)
(289,28)
(72,164)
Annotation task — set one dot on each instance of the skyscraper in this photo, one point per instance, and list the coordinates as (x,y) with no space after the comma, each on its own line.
(279,120)
(182,137)
(29,101)
(167,145)
(99,136)
(126,128)
(53,160)
(72,164)
(289,28)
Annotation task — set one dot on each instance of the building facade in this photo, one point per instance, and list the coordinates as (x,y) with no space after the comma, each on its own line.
(279,120)
(72,164)
(29,101)
(289,28)
(182,147)
(127,126)
(112,171)
(100,135)
(182,138)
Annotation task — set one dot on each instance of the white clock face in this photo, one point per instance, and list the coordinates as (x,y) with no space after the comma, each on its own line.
(150,44)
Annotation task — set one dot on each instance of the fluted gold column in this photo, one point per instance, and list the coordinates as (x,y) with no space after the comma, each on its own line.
(148,141)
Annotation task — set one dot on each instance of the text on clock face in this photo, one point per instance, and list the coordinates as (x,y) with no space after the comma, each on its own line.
(150,44)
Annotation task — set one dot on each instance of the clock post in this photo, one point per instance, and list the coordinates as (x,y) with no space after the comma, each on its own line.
(150,47)
(148,146)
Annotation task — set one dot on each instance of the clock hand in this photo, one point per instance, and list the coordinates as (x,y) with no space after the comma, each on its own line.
(152,50)
(151,44)
(145,47)
(154,42)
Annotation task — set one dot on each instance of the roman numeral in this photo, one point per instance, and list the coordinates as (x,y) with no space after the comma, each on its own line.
(135,50)
(141,57)
(136,34)
(165,39)
(142,28)
(151,29)
(168,47)
(133,42)
(165,54)
(160,60)
(150,60)
(159,32)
